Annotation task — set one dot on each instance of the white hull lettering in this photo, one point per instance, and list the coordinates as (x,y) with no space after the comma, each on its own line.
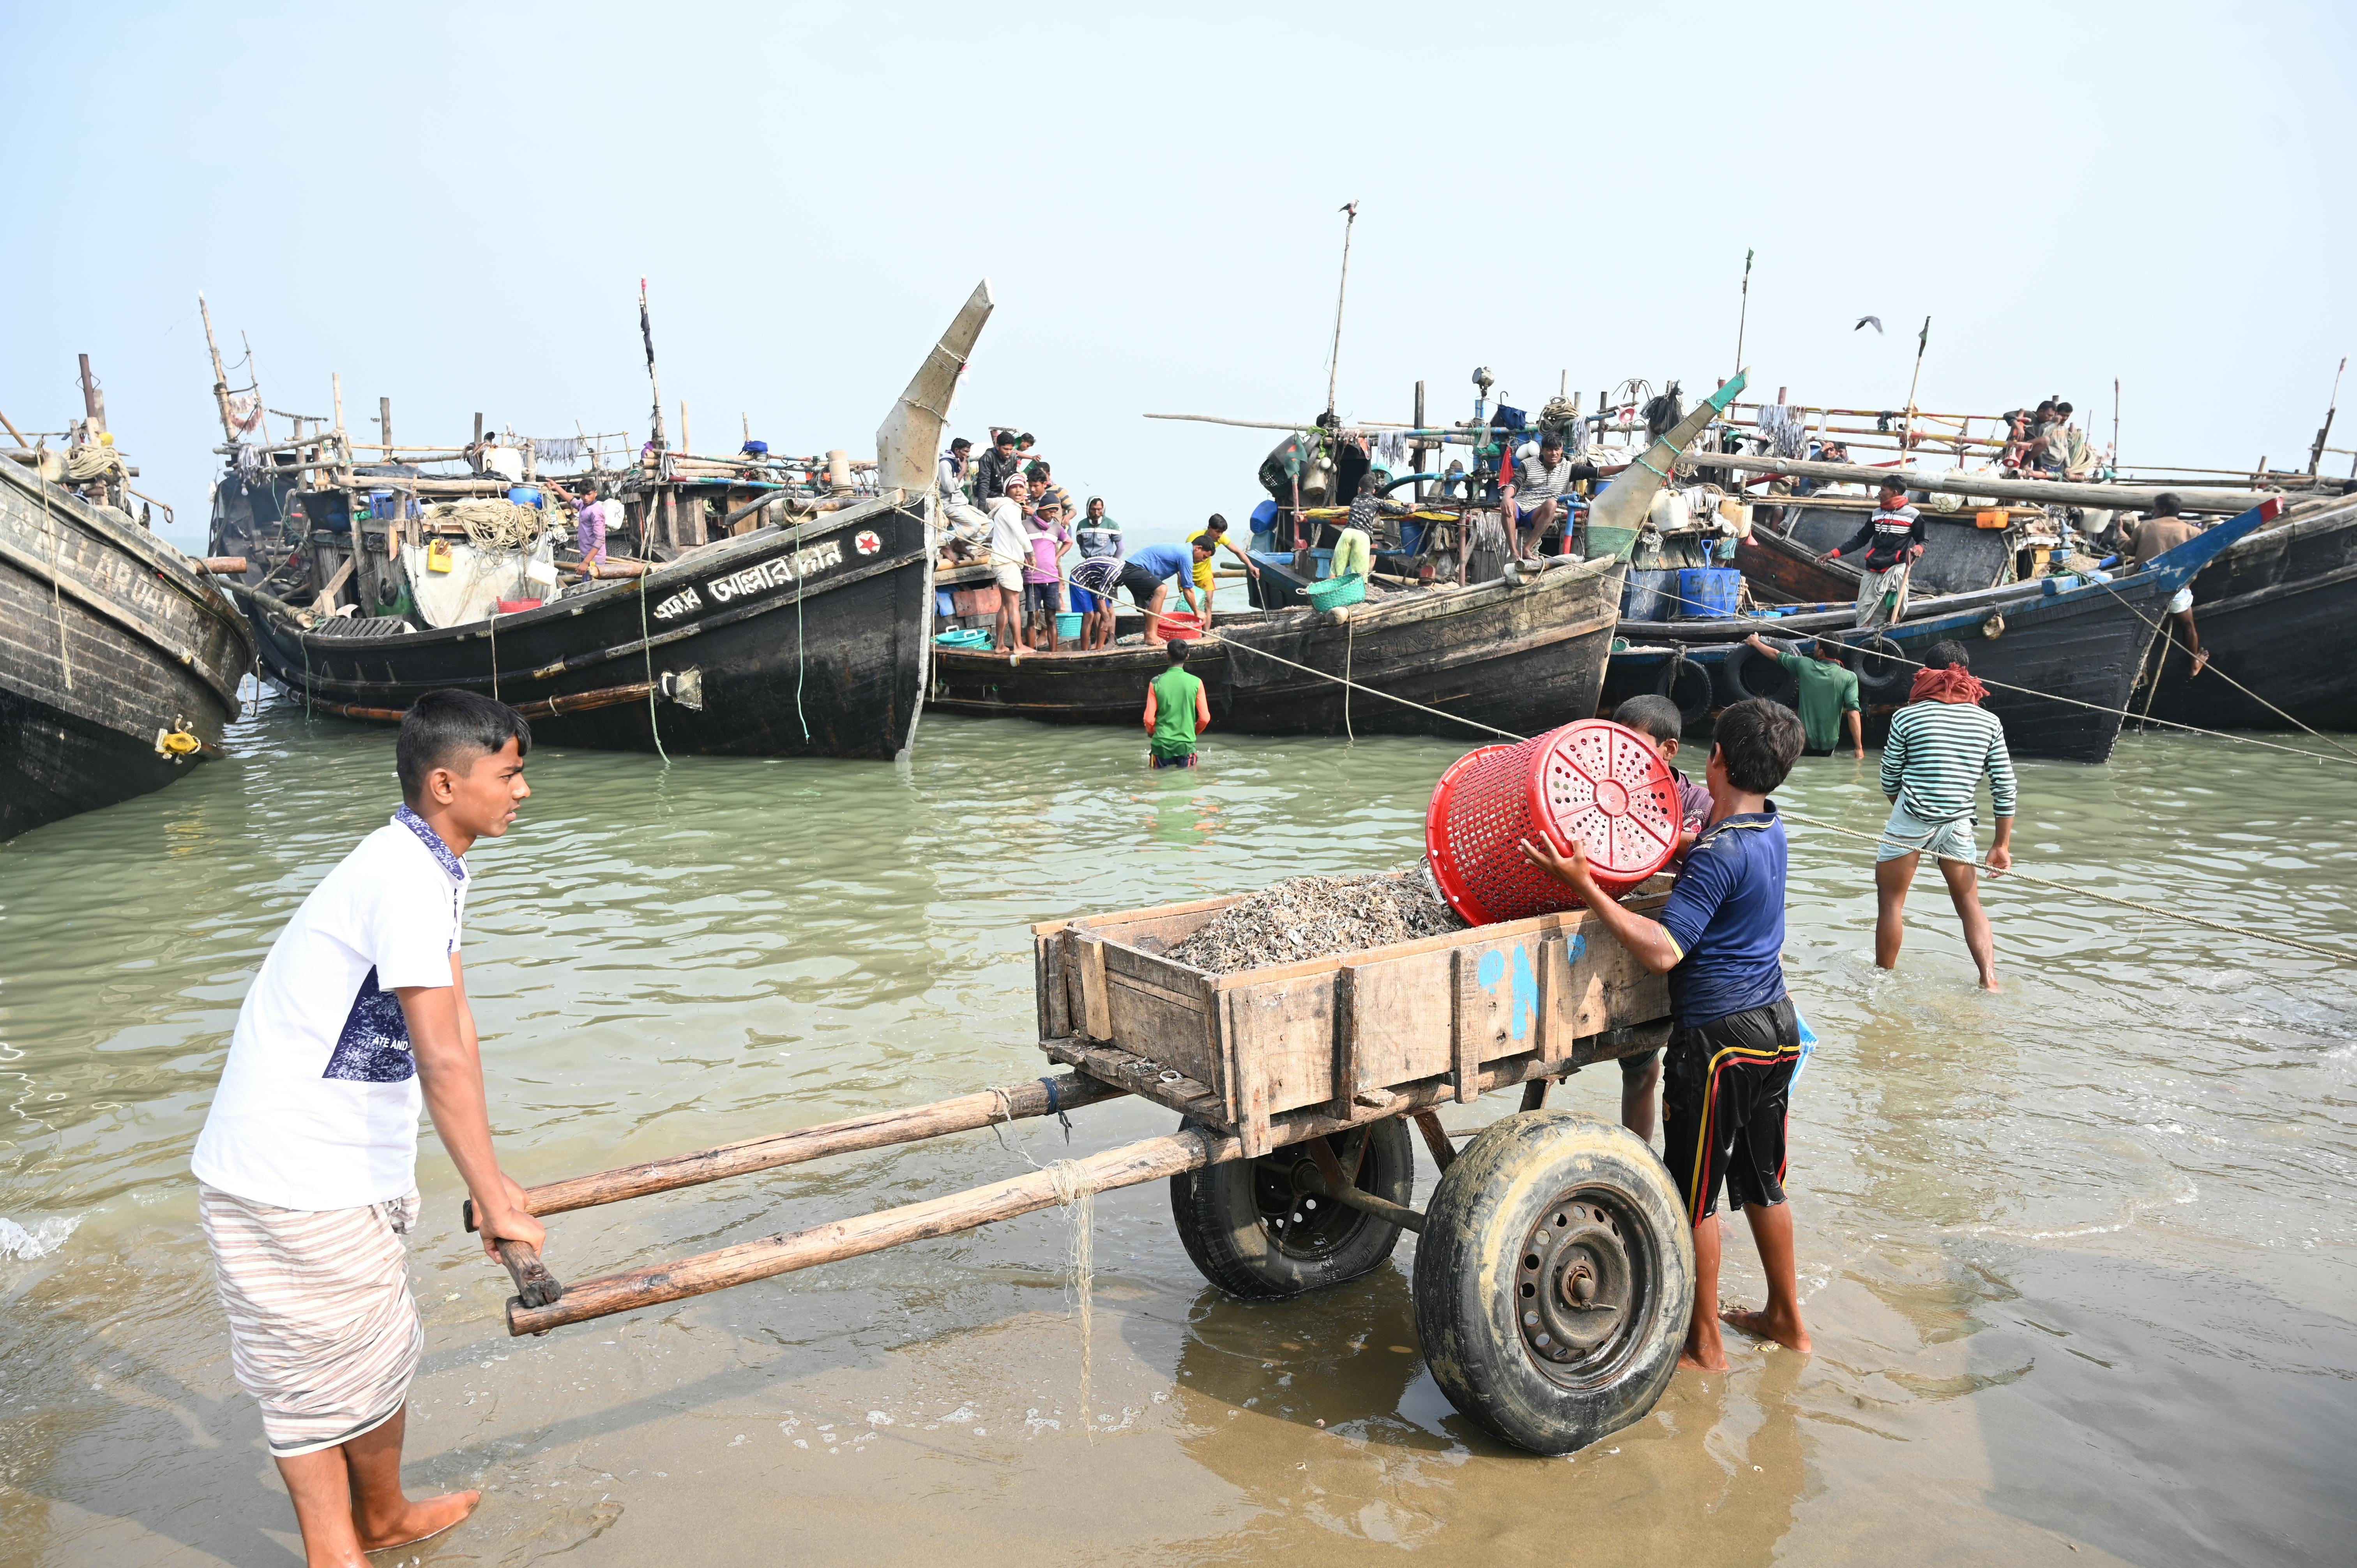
(776,572)
(679,604)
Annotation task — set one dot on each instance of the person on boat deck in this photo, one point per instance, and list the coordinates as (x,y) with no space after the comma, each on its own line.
(996,467)
(1828,693)
(2160,532)
(1892,538)
(589,532)
(1535,496)
(1099,538)
(1215,533)
(1940,746)
(1047,538)
(2064,453)
(1735,1040)
(1147,575)
(969,527)
(1044,488)
(1177,710)
(1354,547)
(1010,547)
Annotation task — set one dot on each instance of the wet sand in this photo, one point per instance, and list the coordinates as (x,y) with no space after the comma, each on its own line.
(2074,1295)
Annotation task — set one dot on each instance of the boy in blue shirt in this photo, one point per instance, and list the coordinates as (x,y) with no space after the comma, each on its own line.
(1735,1039)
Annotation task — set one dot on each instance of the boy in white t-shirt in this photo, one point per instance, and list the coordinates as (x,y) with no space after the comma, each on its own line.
(306,1168)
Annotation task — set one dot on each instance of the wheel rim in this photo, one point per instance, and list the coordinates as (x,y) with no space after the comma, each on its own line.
(1585,1286)
(1298,1220)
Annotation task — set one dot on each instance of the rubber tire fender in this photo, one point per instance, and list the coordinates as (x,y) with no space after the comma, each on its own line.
(1482,1213)
(1753,673)
(1219,1222)
(1884,677)
(1683,671)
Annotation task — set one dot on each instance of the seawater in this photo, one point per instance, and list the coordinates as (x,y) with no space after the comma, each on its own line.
(2075,1257)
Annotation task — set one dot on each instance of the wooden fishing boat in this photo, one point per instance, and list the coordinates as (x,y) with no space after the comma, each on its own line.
(119,658)
(1521,654)
(794,640)
(2059,654)
(1962,552)
(759,617)
(2275,612)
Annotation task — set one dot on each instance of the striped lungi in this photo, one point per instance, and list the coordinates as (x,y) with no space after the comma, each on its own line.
(322,1329)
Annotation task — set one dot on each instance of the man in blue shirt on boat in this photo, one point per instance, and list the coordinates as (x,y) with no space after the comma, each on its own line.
(1147,574)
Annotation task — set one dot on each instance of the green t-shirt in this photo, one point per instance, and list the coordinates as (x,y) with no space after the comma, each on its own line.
(1827,692)
(1174,712)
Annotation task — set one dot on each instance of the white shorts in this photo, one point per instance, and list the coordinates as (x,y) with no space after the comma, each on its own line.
(2181,601)
(1009,579)
(1905,834)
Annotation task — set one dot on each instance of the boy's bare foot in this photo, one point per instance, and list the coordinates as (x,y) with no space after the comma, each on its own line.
(1703,1351)
(424,1517)
(1686,1363)
(1785,1330)
(2200,660)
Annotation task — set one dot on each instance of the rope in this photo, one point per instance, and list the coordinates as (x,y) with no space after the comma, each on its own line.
(646,647)
(2169,640)
(2339,954)
(495,654)
(1066,1177)
(2074,702)
(1349,646)
(798,588)
(1372,691)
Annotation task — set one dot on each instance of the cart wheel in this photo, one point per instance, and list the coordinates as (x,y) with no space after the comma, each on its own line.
(1553,1279)
(1256,1229)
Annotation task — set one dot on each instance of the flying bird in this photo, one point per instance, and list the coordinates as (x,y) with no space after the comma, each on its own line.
(1866,321)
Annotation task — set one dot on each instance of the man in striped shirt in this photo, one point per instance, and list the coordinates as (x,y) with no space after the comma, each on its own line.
(1941,746)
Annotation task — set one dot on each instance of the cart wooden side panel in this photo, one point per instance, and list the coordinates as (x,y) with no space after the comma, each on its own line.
(1328,1031)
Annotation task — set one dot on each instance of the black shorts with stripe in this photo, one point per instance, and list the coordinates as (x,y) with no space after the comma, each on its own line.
(1724,1092)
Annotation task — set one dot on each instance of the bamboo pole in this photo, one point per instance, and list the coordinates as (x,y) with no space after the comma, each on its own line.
(1128,1165)
(220,376)
(2052,492)
(1031,1098)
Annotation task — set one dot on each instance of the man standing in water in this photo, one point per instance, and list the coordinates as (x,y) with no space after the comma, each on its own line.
(1735,1039)
(306,1169)
(1940,745)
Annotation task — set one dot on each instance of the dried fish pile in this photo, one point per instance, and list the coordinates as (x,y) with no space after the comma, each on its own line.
(1311,917)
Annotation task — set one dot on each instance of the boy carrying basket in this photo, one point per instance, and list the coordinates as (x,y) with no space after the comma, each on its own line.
(1735,1039)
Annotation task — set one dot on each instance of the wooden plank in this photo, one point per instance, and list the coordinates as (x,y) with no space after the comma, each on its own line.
(1435,1138)
(1285,1033)
(1119,1069)
(1096,1017)
(1151,1023)
(1047,981)
(1405,1009)
(1467,1020)
(1346,1050)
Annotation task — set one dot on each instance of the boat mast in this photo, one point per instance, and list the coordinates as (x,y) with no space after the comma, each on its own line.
(1334,360)
(2316,452)
(647,331)
(220,376)
(1743,316)
(1923,341)
(93,401)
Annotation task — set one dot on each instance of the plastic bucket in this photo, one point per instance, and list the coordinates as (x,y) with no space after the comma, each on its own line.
(1068,623)
(1593,781)
(1181,624)
(517,607)
(1707,591)
(524,495)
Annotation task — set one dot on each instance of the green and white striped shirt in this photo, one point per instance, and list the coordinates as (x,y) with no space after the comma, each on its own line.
(1935,756)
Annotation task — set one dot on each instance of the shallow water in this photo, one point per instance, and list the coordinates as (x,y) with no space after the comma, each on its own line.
(2075,1257)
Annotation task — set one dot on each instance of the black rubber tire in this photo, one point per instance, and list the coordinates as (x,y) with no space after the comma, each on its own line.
(1687,684)
(1756,674)
(1882,672)
(1578,1195)
(1252,1248)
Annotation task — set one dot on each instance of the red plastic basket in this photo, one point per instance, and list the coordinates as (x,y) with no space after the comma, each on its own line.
(1595,781)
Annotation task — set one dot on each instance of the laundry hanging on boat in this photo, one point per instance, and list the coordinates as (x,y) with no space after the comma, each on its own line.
(559,451)
(1786,426)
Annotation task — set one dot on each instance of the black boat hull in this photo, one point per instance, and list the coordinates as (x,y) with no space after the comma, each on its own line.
(781,642)
(2276,613)
(1518,657)
(108,638)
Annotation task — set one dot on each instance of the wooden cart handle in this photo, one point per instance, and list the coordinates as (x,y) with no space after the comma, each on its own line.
(534,1284)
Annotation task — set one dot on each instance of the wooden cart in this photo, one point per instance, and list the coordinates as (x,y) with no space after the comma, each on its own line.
(1554,1273)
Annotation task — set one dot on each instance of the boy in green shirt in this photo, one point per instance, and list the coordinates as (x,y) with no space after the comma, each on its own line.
(1176,712)
(1828,694)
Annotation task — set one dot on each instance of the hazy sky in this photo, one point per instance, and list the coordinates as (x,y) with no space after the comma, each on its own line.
(453,208)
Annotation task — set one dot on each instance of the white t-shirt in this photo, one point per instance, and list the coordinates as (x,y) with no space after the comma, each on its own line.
(317,1107)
